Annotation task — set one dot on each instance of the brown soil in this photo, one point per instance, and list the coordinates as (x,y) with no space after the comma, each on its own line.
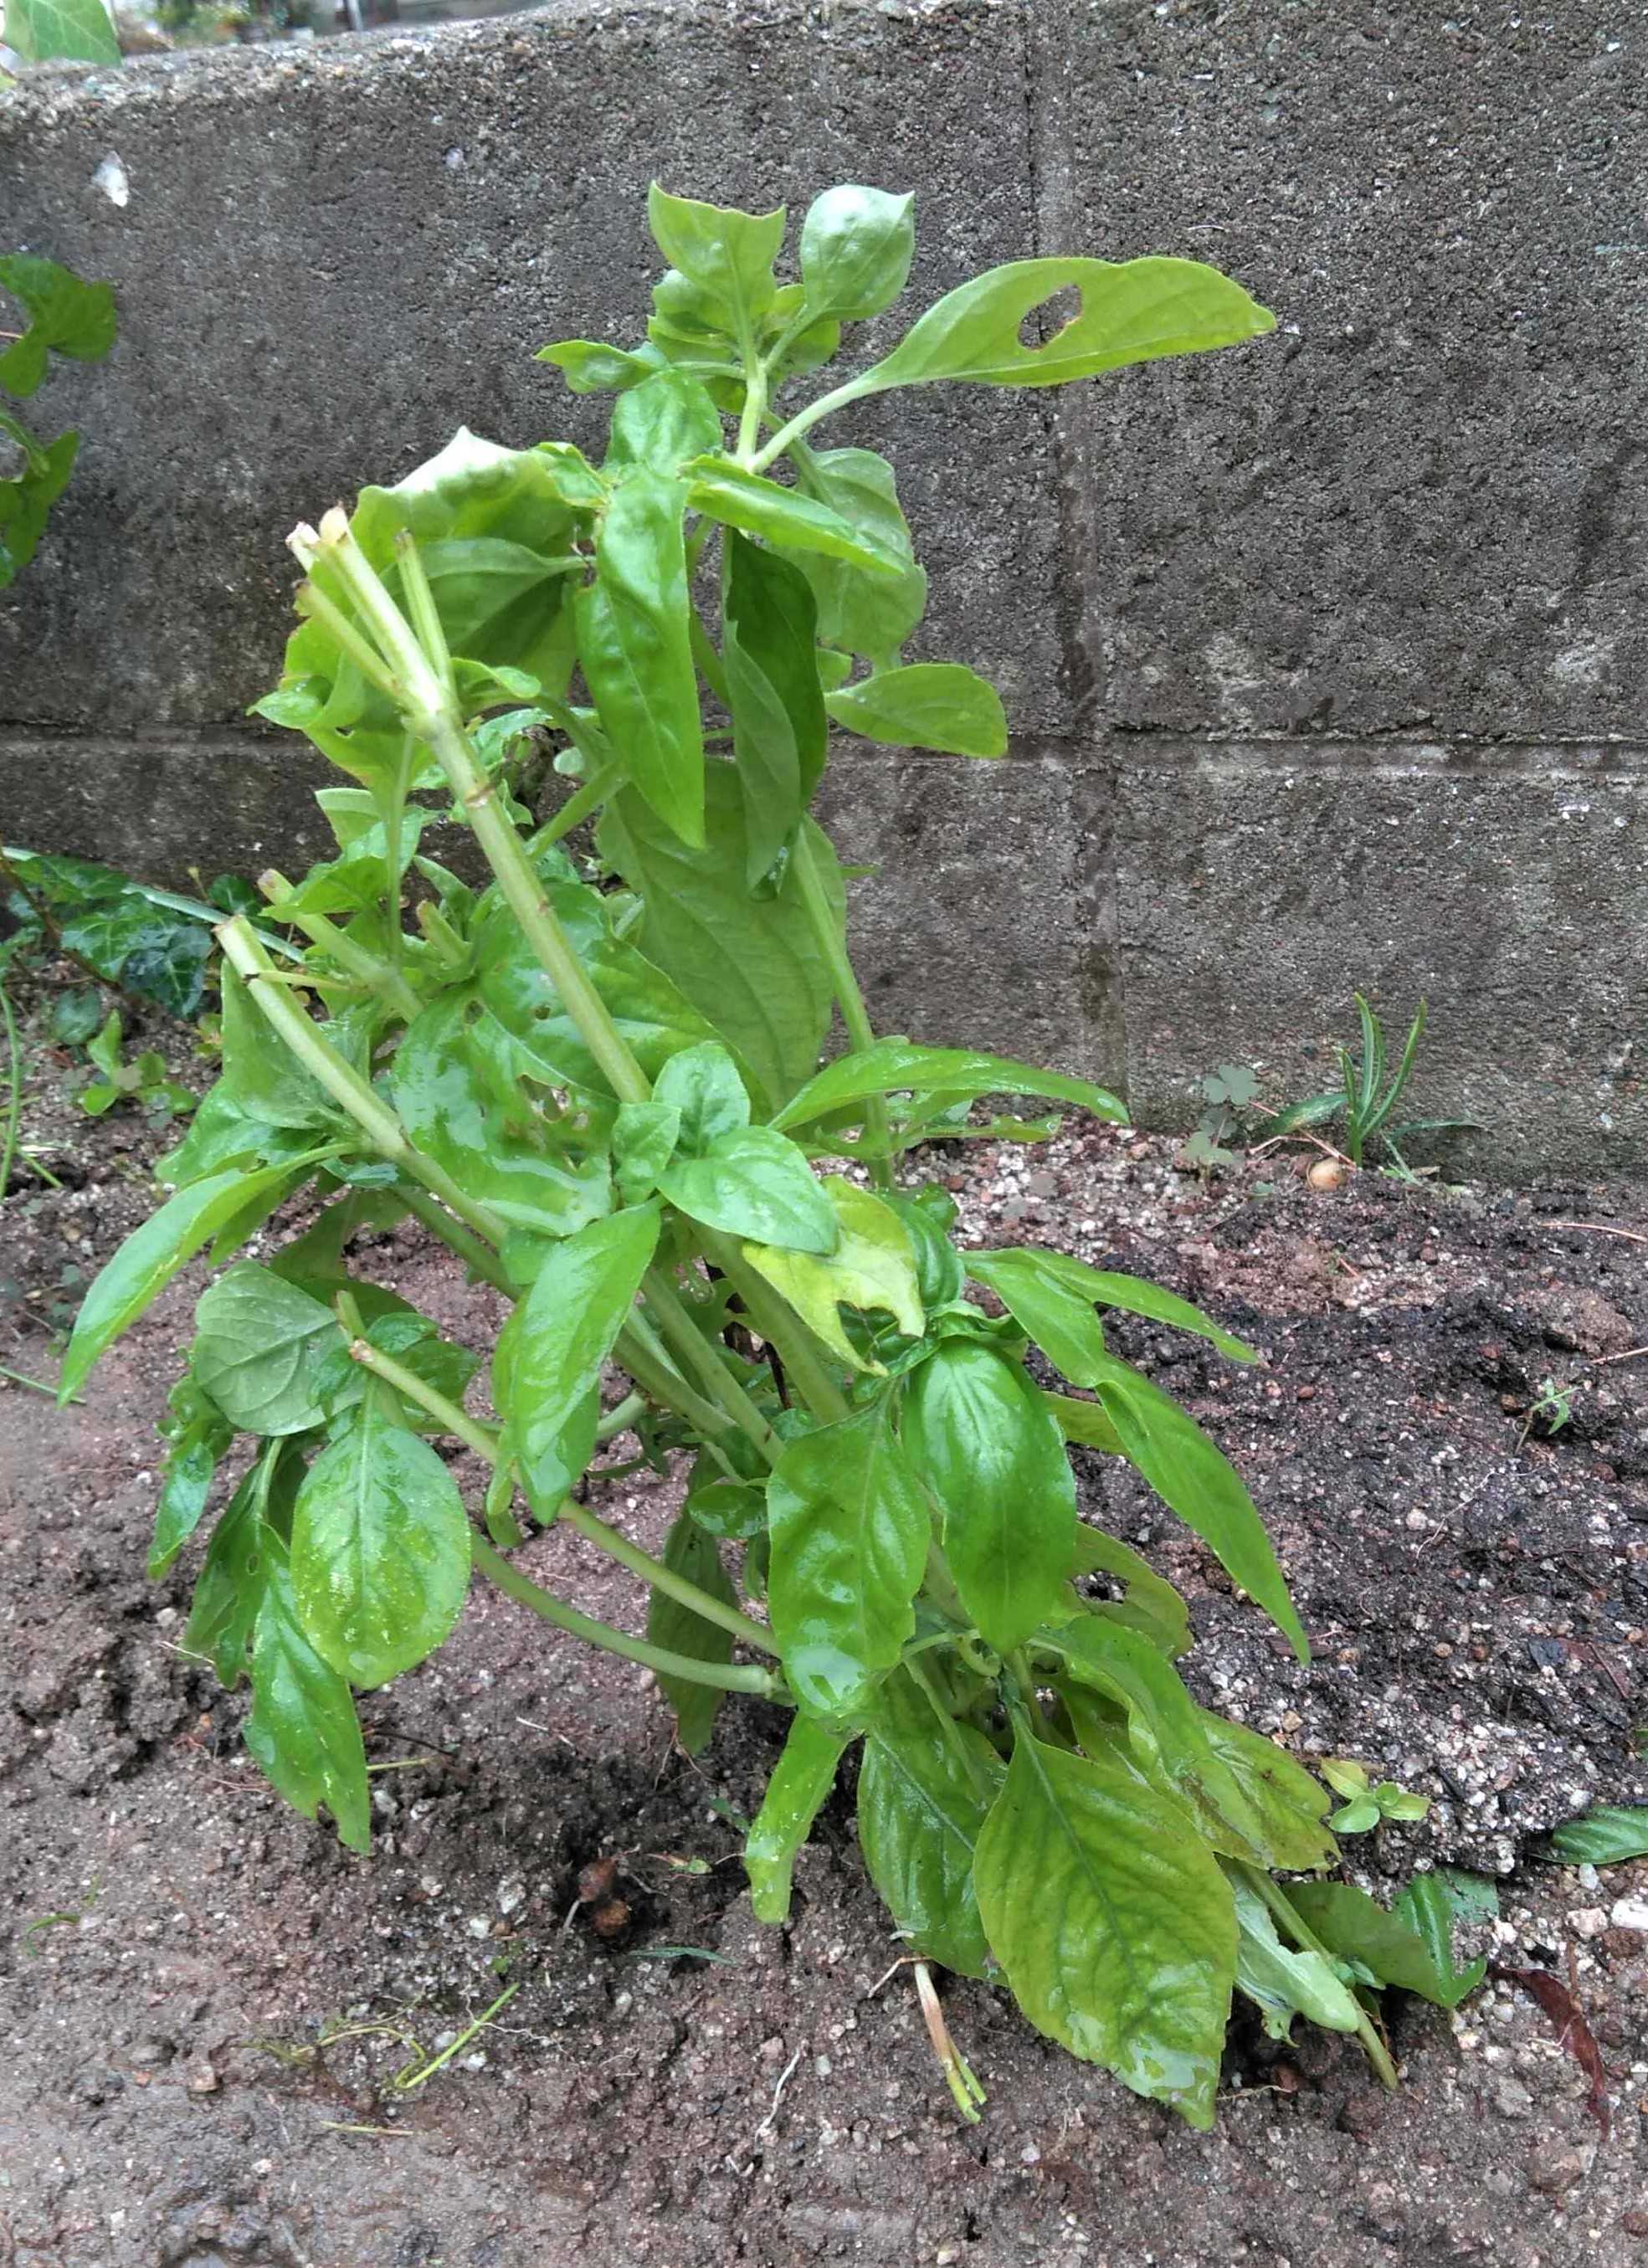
(207,2002)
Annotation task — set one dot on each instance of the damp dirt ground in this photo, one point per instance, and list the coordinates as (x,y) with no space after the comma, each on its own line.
(206,2004)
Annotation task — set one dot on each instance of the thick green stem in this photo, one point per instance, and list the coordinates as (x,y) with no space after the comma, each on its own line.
(728,1676)
(805,420)
(483,1440)
(1281,1907)
(855,1015)
(341,1079)
(378,976)
(690,1347)
(480,1258)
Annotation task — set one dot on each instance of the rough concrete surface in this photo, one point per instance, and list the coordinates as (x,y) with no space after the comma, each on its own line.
(1394,554)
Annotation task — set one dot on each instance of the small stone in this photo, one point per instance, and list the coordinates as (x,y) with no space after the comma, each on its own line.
(1587,1921)
(1416,1520)
(1553,2170)
(1512,2099)
(511,1896)
(597,1881)
(202,2080)
(1631,1913)
(1634,2224)
(1547,1652)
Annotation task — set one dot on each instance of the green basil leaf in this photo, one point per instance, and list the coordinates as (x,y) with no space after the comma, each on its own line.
(740,499)
(779,727)
(702,1085)
(198,1434)
(666,420)
(923,1795)
(851,1531)
(221,1135)
(872,1269)
(589,367)
(802,1778)
(655,1019)
(736,1510)
(460,1095)
(756,1183)
(151,1255)
(867,614)
(939,1270)
(690,1551)
(1149,1605)
(1353,1928)
(1287,1801)
(1085,1422)
(303,1729)
(1115,1927)
(1130,312)
(633,643)
(896,1065)
(992,1456)
(1188,1472)
(857,246)
(1062,1293)
(229,1589)
(380,1549)
(727,253)
(260,1347)
(748,964)
(924,704)
(1281,1983)
(642,1143)
(546,1379)
(261,1076)
(1604,1835)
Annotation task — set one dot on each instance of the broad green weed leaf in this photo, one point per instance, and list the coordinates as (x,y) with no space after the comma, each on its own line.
(872,1268)
(152,1255)
(1115,1927)
(924,704)
(380,1549)
(633,643)
(1130,312)
(992,1455)
(802,1778)
(690,1551)
(262,1346)
(1606,1835)
(923,1795)
(303,1729)
(857,246)
(750,965)
(1204,1488)
(895,1066)
(1431,1904)
(851,1531)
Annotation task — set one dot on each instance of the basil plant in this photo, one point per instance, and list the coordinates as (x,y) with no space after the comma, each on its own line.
(599,1082)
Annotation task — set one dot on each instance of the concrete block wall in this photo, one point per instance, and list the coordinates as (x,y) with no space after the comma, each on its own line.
(1325,659)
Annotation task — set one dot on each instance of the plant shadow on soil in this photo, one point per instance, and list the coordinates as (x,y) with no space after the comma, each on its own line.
(182,1949)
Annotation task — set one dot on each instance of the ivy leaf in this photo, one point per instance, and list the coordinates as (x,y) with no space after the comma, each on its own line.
(66,316)
(851,1532)
(1115,1927)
